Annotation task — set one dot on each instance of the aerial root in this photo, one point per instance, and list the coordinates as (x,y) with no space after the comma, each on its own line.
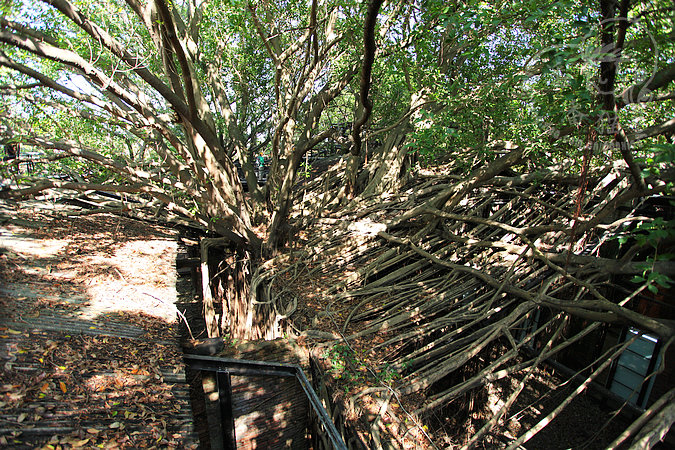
(501,266)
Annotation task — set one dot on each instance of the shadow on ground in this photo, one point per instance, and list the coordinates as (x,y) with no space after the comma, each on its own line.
(88,346)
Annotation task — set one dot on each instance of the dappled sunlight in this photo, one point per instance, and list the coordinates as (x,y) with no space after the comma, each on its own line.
(444,303)
(37,248)
(115,380)
(462,218)
(82,331)
(88,259)
(24,246)
(134,279)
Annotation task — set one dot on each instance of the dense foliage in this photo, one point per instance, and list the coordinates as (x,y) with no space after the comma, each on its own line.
(523,72)
(175,104)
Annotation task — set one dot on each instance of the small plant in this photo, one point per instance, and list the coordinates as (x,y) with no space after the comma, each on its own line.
(662,155)
(341,357)
(653,278)
(305,170)
(651,233)
(345,366)
(389,374)
(353,371)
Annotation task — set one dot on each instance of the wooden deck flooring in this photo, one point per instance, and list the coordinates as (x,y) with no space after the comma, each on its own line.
(77,371)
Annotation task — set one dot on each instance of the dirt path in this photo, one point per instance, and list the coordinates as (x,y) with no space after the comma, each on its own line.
(88,349)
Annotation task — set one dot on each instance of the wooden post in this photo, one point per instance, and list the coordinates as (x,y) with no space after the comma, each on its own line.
(212,328)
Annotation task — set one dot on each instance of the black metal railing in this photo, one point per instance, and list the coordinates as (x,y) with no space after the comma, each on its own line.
(224,437)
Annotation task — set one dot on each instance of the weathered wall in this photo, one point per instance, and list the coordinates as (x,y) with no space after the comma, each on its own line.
(274,412)
(269,412)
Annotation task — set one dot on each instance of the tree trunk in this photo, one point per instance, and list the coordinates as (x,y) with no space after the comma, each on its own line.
(391,159)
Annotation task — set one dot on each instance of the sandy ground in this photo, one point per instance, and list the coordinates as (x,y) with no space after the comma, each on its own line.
(118,265)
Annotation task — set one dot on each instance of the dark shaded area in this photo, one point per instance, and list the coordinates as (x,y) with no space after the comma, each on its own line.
(12,151)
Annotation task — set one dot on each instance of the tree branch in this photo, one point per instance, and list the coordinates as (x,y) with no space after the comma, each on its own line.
(367,68)
(186,71)
(641,91)
(656,130)
(136,64)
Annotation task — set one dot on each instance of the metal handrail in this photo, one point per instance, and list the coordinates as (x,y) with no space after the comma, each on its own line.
(244,367)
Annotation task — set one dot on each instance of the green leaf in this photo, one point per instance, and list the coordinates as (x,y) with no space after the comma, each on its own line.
(663,282)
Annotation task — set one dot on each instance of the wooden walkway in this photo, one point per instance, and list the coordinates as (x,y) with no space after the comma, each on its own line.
(83,363)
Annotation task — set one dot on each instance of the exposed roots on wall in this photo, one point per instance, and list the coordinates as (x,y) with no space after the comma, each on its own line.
(453,287)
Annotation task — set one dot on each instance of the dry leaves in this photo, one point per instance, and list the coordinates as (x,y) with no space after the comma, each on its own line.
(96,391)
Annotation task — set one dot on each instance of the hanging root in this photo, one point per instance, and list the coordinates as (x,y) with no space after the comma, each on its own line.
(426,283)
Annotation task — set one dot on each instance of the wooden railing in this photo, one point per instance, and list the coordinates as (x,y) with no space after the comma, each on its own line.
(219,371)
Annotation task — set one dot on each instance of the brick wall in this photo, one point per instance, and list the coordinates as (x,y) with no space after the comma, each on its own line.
(269,412)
